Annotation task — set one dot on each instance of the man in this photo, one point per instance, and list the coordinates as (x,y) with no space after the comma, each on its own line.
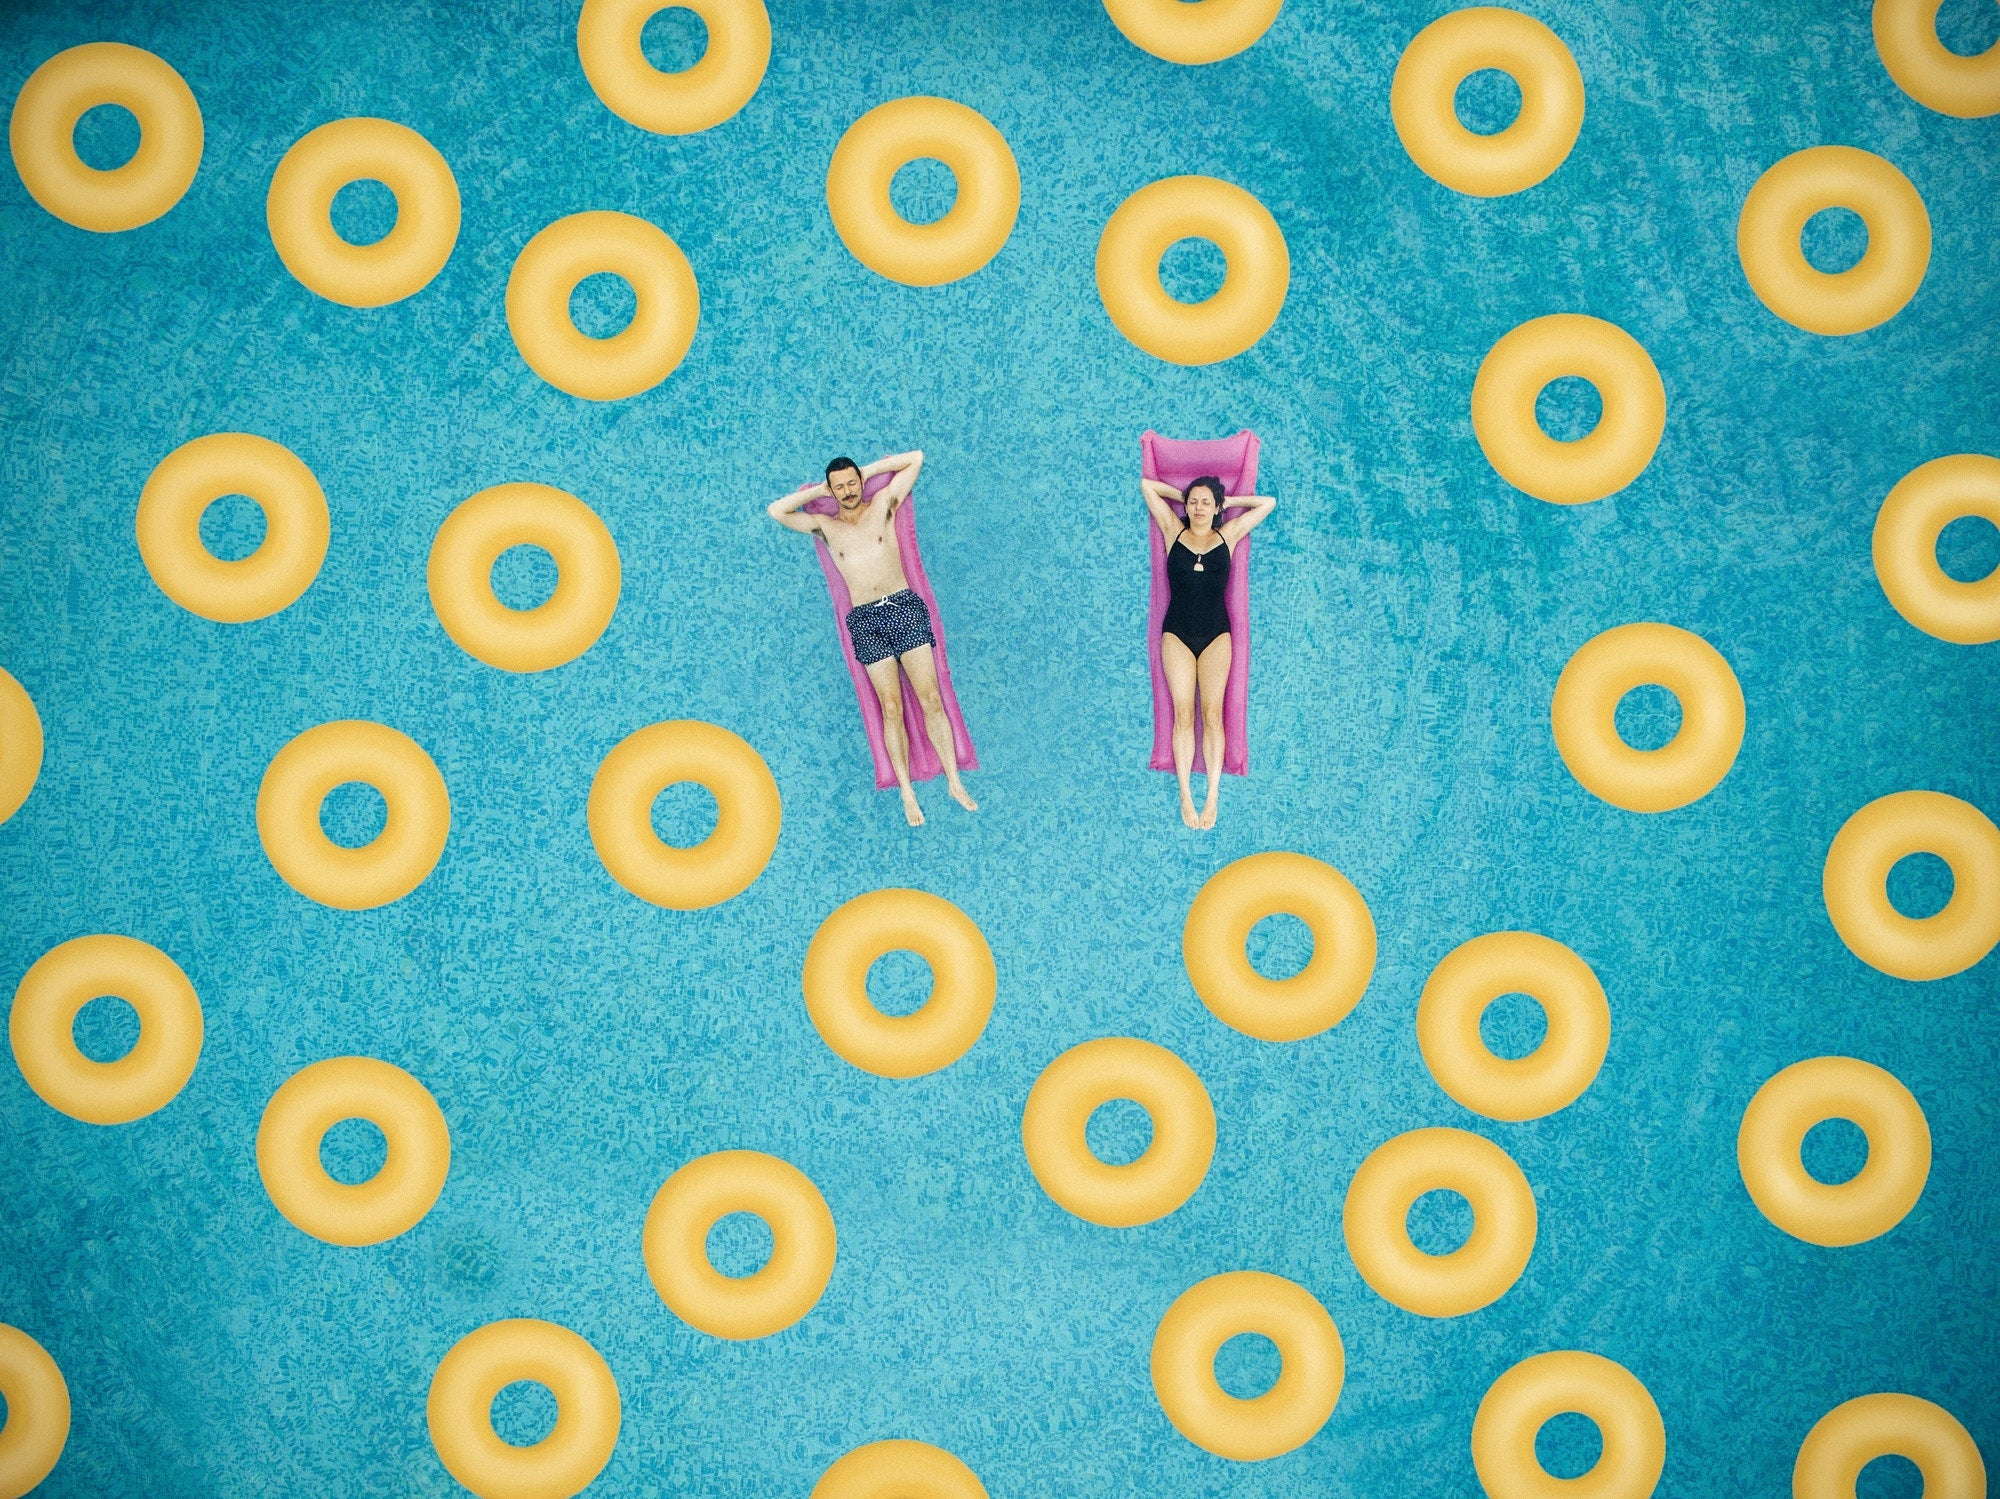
(889,625)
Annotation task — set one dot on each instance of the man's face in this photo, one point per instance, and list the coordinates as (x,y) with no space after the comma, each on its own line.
(846,487)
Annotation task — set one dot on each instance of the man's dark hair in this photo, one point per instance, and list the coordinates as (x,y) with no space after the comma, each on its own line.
(1209,482)
(837,465)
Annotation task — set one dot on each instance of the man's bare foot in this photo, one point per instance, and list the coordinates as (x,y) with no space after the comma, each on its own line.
(1208,814)
(963,797)
(911,810)
(1188,814)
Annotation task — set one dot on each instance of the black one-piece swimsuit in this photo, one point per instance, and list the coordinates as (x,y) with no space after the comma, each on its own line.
(1196,611)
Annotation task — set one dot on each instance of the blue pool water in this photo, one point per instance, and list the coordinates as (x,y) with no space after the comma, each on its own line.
(1411,613)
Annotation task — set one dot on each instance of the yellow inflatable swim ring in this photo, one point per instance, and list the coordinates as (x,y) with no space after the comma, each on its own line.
(1423,101)
(1851,1436)
(899,1470)
(646,350)
(296,527)
(560,629)
(1568,1382)
(1907,528)
(963,982)
(1856,884)
(1284,1417)
(1193,31)
(20,745)
(482,1364)
(697,98)
(1924,68)
(1145,225)
(1376,1218)
(1876,287)
(401,856)
(888,138)
(700,1195)
(391,1202)
(1073,1087)
(1783,1113)
(68,977)
(66,88)
(1553,1075)
(37,1424)
(1584,717)
(725,863)
(1215,944)
(299,211)
(1605,459)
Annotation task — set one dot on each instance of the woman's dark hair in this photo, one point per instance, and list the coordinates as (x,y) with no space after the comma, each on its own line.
(837,465)
(1212,484)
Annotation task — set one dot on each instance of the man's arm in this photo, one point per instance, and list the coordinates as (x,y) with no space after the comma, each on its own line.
(906,467)
(790,511)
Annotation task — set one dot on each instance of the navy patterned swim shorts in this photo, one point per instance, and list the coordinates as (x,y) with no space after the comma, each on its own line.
(888,627)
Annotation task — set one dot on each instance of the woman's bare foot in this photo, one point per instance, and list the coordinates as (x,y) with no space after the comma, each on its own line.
(963,797)
(1208,812)
(1188,814)
(911,810)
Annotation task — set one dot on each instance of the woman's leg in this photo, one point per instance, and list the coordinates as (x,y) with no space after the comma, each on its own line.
(895,737)
(1178,663)
(1212,674)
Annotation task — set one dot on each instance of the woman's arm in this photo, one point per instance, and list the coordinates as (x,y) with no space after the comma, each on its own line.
(1161,499)
(789,512)
(1260,505)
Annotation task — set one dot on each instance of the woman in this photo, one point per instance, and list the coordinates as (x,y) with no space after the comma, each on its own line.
(1194,637)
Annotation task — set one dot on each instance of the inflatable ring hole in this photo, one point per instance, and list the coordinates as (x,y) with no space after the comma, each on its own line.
(1118,1132)
(674,39)
(1513,1026)
(105,1029)
(900,982)
(1890,1476)
(1569,1445)
(739,1245)
(106,137)
(1487,101)
(1569,408)
(1648,717)
(353,1151)
(524,1413)
(923,191)
(354,814)
(1192,270)
(1248,1365)
(1834,1151)
(602,305)
(1967,28)
(1440,1222)
(1968,549)
(1834,240)
(363,212)
(524,577)
(233,527)
(1279,947)
(1920,885)
(685,814)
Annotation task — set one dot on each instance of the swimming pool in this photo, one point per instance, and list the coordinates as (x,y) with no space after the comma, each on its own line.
(1411,613)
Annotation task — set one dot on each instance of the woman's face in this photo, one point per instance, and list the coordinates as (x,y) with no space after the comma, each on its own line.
(1201,506)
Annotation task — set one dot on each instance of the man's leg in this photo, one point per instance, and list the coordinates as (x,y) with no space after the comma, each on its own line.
(1213,671)
(1177,661)
(921,664)
(895,736)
